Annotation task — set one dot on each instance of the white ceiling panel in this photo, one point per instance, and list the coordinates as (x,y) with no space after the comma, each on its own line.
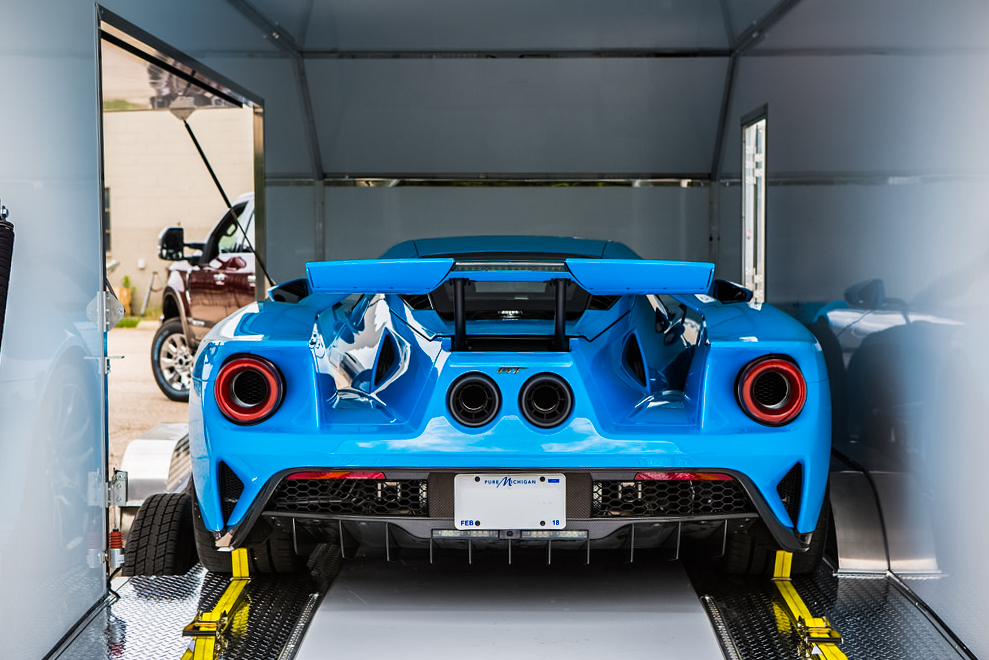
(476,25)
(194,26)
(553,116)
(291,15)
(745,14)
(881,24)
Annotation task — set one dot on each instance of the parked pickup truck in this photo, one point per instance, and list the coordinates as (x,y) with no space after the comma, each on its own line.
(203,287)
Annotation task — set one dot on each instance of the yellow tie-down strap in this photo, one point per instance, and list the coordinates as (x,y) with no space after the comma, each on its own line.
(208,630)
(817,637)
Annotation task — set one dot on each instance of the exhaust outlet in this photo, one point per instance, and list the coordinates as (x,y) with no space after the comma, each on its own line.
(473,400)
(546,400)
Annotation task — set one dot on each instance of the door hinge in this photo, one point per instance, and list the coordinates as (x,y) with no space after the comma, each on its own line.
(104,362)
(105,309)
(108,493)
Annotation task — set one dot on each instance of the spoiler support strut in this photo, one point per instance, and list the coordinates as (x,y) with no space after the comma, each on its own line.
(560,317)
(459,315)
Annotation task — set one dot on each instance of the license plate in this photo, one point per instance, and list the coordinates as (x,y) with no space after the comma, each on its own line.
(510,501)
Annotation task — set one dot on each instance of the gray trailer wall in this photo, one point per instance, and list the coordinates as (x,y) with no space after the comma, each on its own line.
(864,98)
(877,168)
(52,433)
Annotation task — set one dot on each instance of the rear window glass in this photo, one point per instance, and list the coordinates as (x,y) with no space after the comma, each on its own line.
(509,300)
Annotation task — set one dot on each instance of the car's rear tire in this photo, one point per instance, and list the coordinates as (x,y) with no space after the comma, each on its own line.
(171,360)
(269,549)
(160,541)
(753,551)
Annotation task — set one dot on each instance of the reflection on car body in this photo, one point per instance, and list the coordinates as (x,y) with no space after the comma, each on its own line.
(366,409)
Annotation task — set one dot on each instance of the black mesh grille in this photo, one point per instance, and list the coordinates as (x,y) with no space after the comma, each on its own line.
(633,359)
(789,489)
(417,302)
(230,489)
(250,388)
(386,360)
(646,499)
(601,303)
(771,389)
(351,497)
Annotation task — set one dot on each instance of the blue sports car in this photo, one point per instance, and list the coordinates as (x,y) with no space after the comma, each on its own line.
(505,392)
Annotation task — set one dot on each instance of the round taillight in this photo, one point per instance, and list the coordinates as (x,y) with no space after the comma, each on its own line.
(248,389)
(771,390)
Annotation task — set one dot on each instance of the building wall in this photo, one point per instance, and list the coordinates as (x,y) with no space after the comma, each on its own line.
(156,179)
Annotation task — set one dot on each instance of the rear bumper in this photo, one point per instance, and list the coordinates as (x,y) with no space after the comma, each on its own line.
(600,504)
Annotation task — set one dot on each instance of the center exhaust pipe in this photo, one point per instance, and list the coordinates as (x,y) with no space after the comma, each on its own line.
(546,400)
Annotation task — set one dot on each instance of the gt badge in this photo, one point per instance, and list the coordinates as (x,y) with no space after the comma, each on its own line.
(510,370)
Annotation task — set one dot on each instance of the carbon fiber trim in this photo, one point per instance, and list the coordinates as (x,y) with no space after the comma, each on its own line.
(784,536)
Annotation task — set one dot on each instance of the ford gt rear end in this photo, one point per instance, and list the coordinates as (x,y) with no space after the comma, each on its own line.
(498,393)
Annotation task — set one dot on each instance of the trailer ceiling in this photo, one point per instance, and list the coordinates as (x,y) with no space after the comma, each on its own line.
(574,89)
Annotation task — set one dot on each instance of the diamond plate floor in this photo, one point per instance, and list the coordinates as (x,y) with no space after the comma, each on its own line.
(875,618)
(483,605)
(146,622)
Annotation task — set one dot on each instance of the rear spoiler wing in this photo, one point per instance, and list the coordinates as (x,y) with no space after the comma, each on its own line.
(596,276)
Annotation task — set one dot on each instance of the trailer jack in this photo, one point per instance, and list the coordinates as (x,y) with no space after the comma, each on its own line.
(816,637)
(210,630)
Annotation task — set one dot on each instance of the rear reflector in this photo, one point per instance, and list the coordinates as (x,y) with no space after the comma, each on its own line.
(335,475)
(682,476)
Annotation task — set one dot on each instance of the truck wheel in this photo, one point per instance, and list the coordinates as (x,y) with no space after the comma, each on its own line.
(171,360)
(269,549)
(753,551)
(160,539)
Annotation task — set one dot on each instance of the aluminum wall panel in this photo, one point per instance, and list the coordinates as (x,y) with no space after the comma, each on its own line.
(863,114)
(877,170)
(659,223)
(292,219)
(51,425)
(517,116)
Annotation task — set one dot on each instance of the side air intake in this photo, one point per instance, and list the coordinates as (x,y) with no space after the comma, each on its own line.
(473,400)
(546,400)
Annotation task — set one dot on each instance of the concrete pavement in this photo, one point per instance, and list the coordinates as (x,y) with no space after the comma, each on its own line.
(135,402)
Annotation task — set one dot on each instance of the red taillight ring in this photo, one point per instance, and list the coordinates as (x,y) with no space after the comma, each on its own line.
(771,390)
(248,389)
